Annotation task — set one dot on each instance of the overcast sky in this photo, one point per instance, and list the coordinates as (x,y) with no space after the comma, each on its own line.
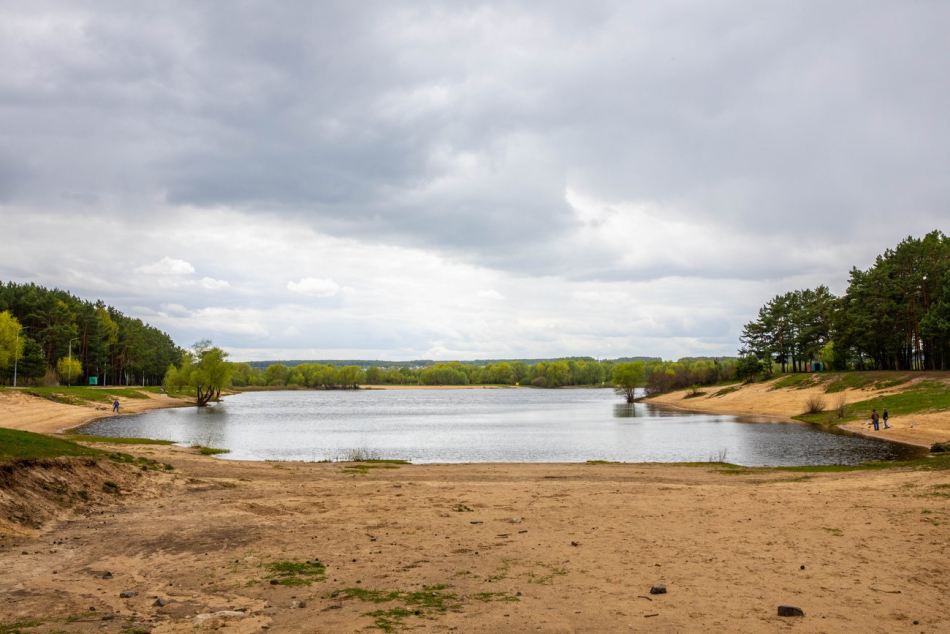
(401,180)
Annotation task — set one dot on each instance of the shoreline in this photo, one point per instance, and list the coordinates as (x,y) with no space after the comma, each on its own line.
(40,415)
(788,419)
(921,429)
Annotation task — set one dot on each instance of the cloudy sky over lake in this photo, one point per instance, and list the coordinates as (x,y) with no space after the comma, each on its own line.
(402,180)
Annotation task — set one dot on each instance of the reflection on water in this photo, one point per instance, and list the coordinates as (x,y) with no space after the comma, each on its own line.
(625,410)
(492,425)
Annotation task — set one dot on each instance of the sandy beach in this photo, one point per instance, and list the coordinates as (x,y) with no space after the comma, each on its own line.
(29,413)
(521,548)
(476,547)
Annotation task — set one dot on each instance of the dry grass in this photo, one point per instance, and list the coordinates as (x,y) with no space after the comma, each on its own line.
(814,404)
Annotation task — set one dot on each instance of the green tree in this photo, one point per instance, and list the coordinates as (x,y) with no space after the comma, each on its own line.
(11,340)
(627,377)
(69,369)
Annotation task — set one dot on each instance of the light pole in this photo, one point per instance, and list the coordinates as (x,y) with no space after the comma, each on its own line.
(71,359)
(16,353)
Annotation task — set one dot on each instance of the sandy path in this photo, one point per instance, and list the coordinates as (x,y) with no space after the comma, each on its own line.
(858,552)
(29,413)
(759,399)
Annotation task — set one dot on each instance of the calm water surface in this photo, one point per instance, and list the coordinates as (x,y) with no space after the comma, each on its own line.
(490,425)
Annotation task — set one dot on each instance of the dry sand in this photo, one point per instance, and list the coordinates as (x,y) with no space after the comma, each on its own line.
(43,416)
(859,551)
(760,399)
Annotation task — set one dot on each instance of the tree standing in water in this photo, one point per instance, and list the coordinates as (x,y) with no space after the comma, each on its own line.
(627,377)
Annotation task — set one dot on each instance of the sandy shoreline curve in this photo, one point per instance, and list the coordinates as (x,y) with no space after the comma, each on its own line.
(761,399)
(30,413)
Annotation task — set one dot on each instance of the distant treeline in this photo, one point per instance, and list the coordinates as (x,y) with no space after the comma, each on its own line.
(424,363)
(104,343)
(658,375)
(894,316)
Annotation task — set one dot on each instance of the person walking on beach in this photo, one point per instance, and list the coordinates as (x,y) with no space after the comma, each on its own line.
(115,405)
(884,418)
(875,420)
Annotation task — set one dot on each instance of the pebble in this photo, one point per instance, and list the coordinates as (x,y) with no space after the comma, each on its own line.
(128,594)
(160,603)
(107,575)
(788,610)
(658,589)
(515,520)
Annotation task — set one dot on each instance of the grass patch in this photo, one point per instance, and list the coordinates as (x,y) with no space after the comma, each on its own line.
(15,444)
(363,469)
(593,462)
(79,395)
(836,532)
(489,597)
(118,441)
(798,381)
(852,381)
(727,390)
(296,573)
(930,395)
(430,601)
(461,508)
(14,628)
(209,451)
(939,463)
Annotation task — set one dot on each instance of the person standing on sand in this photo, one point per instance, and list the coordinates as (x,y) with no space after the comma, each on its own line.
(875,420)
(884,418)
(115,405)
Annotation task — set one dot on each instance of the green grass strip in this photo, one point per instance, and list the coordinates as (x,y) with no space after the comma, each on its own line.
(15,444)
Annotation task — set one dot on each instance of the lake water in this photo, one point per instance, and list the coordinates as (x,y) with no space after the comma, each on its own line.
(491,425)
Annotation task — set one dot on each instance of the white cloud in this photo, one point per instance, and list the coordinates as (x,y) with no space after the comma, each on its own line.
(167,266)
(175,310)
(491,294)
(213,284)
(315,287)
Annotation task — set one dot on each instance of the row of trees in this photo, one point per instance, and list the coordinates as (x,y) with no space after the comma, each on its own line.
(51,336)
(656,375)
(893,316)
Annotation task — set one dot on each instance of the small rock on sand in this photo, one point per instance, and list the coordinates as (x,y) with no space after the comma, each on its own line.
(787,610)
(658,589)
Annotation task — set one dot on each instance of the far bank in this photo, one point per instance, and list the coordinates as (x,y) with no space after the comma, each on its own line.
(917,401)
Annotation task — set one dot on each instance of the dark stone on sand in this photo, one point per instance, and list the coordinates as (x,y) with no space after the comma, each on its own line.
(787,610)
(128,594)
(274,582)
(658,589)
(160,602)
(107,575)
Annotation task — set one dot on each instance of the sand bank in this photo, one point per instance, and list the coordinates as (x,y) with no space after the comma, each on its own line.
(761,399)
(43,416)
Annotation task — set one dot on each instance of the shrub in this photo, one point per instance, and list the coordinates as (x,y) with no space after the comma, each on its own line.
(814,404)
(841,405)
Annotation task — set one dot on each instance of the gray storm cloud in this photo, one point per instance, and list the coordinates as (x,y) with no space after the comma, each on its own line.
(603,141)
